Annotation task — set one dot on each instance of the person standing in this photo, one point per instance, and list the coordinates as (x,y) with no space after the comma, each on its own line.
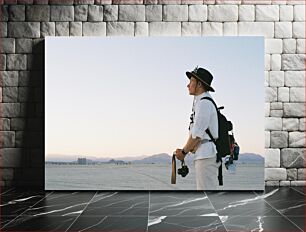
(204,115)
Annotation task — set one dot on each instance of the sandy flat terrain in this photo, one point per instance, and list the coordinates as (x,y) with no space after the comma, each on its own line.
(143,177)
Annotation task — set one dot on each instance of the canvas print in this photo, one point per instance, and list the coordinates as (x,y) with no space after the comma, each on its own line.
(154,113)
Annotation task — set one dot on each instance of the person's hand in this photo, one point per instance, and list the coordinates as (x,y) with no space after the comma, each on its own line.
(179,154)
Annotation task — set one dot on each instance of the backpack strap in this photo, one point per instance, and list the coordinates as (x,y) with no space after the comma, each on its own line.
(210,99)
(207,130)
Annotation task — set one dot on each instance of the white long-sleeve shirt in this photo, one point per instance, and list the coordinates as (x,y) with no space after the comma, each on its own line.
(204,116)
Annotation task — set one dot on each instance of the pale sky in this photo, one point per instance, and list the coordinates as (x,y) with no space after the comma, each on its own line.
(127,96)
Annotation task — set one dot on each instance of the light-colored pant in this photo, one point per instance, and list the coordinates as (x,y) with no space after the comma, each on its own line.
(207,173)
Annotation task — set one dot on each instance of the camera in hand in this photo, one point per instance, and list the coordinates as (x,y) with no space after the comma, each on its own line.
(183,171)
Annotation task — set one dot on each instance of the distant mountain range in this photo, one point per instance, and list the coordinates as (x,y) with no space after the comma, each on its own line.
(165,158)
(250,158)
(153,159)
(158,158)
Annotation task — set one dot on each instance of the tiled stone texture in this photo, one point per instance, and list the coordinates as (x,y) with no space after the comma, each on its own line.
(282,23)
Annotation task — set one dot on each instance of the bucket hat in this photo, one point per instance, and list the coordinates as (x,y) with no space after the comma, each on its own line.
(203,76)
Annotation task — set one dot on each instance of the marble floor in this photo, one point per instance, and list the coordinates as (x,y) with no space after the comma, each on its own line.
(273,210)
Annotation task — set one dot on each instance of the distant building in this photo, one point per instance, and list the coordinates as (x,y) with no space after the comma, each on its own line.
(82,161)
(118,162)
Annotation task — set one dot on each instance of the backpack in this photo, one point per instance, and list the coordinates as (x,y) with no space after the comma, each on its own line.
(223,141)
(236,151)
(234,147)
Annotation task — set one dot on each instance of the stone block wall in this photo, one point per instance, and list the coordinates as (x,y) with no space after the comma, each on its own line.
(25,23)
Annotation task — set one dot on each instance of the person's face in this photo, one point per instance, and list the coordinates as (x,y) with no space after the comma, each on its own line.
(192,86)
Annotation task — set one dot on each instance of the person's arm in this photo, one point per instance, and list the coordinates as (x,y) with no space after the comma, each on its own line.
(191,146)
(201,122)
